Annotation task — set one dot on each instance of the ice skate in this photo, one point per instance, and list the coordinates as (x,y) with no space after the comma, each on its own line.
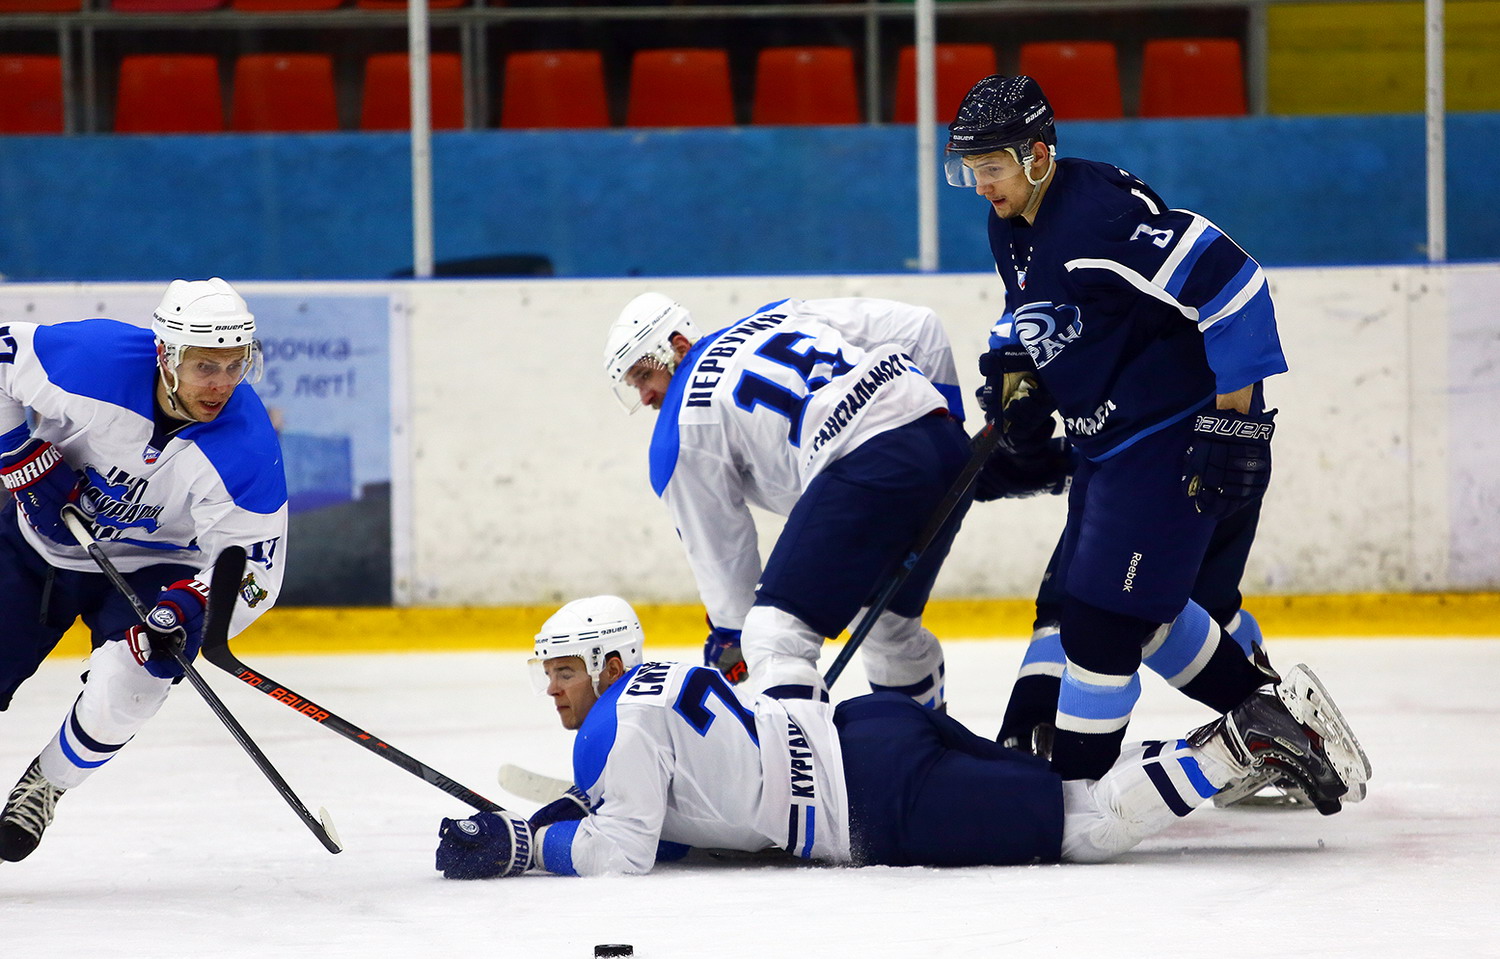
(28,811)
(1289,747)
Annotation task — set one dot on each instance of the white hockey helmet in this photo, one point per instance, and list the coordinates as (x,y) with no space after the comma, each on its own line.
(208,314)
(591,629)
(644,331)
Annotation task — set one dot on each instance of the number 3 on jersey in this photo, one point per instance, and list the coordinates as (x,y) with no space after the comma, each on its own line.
(755,390)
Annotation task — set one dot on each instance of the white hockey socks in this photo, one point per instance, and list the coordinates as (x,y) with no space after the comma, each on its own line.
(1151,786)
(781,654)
(901,656)
(116,702)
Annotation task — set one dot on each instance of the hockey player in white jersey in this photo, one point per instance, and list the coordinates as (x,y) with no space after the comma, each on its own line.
(170,458)
(669,755)
(843,415)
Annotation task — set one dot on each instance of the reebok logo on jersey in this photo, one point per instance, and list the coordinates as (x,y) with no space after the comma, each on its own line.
(1135,562)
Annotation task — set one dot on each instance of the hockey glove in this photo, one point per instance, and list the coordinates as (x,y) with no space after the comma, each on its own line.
(722,651)
(1006,475)
(486,845)
(1228,463)
(573,804)
(176,621)
(37,476)
(1014,399)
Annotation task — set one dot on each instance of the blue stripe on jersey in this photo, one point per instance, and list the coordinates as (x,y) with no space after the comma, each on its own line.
(1231,290)
(1243,348)
(665,442)
(1190,632)
(812,832)
(104,360)
(596,737)
(557,848)
(242,446)
(1184,269)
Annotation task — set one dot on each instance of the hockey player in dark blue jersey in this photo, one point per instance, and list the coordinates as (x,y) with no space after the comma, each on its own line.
(1150,332)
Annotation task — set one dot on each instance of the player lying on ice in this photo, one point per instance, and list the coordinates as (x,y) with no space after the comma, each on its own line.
(671,753)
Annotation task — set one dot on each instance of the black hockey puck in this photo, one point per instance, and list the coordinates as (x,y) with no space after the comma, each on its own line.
(613,949)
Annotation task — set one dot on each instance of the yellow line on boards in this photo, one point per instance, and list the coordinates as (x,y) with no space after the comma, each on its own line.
(414,630)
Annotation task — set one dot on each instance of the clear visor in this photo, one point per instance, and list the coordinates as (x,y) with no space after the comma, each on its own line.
(993,167)
(567,672)
(628,389)
(197,366)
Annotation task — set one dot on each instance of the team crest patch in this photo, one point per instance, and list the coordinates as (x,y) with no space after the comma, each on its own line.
(150,454)
(251,591)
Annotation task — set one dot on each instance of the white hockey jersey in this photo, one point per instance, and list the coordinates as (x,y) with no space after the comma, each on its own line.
(755,411)
(671,752)
(89,387)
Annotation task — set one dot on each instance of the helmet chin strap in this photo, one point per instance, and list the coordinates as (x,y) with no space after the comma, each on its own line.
(1035,200)
(170,388)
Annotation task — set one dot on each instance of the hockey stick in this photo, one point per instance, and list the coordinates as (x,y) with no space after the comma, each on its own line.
(217,651)
(222,589)
(984,444)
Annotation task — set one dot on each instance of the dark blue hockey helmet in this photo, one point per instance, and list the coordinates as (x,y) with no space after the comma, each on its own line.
(998,113)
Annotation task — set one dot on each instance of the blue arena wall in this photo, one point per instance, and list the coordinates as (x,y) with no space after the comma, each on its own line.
(717,201)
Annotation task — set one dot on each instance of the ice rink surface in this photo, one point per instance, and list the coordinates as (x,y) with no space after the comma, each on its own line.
(180,848)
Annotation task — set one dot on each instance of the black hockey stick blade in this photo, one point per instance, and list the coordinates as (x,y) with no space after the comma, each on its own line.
(226,576)
(216,650)
(983,445)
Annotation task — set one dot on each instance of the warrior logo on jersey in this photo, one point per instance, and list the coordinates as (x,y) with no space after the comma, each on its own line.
(1045,328)
(114,504)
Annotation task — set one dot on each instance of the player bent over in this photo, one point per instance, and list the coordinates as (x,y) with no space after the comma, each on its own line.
(149,435)
(668,752)
(841,415)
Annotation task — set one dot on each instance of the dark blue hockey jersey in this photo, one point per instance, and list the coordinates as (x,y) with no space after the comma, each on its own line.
(1134,315)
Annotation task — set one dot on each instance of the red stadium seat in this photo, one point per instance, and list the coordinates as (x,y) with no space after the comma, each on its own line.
(1081,80)
(387,92)
(401,4)
(169,93)
(283,6)
(959,67)
(164,6)
(40,6)
(680,88)
(283,92)
(554,88)
(31,94)
(805,85)
(1192,78)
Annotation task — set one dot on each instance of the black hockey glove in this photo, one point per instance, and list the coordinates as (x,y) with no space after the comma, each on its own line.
(1228,463)
(1048,471)
(486,845)
(1014,399)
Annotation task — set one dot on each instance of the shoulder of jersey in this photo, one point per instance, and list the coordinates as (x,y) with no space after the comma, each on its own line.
(242,446)
(101,359)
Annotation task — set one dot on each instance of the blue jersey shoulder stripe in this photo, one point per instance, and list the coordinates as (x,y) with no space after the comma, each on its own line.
(104,360)
(1232,289)
(1184,269)
(242,446)
(596,737)
(665,440)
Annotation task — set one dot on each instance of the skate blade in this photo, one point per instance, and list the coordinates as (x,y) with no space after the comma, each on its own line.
(1262,792)
(1309,703)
